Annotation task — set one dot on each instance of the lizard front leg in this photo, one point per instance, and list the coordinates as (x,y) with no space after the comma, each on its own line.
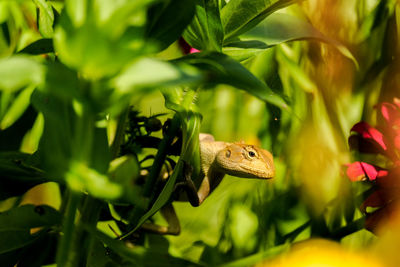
(197,196)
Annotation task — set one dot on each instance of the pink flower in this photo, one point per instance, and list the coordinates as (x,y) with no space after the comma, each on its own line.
(193,50)
(385,176)
(186,48)
(361,171)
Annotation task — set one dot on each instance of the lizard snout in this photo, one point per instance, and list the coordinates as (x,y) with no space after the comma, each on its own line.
(246,161)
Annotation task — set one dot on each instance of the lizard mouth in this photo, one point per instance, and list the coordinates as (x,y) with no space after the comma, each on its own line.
(251,172)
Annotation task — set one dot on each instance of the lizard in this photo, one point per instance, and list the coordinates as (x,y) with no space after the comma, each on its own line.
(217,158)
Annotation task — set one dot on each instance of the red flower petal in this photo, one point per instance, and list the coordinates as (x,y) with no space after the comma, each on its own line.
(358,171)
(389,111)
(391,114)
(194,50)
(368,132)
(358,143)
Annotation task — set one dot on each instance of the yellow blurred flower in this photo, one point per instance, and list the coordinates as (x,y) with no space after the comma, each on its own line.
(322,253)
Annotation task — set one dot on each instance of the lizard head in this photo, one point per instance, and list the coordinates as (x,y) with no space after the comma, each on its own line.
(246,161)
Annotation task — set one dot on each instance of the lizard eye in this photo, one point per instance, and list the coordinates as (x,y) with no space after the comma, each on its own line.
(228,153)
(252,154)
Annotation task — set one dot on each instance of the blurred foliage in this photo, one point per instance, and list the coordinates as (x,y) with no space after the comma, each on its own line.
(101,108)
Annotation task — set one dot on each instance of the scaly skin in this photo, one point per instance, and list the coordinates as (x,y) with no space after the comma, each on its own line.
(217,159)
(236,159)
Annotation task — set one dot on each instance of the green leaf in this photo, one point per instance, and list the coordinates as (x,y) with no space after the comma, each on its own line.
(17,108)
(29,216)
(298,74)
(222,69)
(14,239)
(190,145)
(99,256)
(15,225)
(239,16)
(77,10)
(139,256)
(150,73)
(12,137)
(17,175)
(10,258)
(55,147)
(40,252)
(179,100)
(46,17)
(280,28)
(100,156)
(17,72)
(81,178)
(243,227)
(205,32)
(63,82)
(98,42)
(41,46)
(243,50)
(167,20)
(124,171)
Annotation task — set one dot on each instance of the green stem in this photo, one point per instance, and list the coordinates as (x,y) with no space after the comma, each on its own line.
(72,250)
(160,156)
(91,206)
(119,134)
(65,253)
(155,169)
(350,228)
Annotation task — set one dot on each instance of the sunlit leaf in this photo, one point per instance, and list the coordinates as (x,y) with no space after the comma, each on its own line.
(219,68)
(150,73)
(20,71)
(243,226)
(81,178)
(17,108)
(46,17)
(241,15)
(280,28)
(205,32)
(101,48)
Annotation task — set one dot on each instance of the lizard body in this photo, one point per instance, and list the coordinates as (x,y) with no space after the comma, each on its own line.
(217,158)
(237,159)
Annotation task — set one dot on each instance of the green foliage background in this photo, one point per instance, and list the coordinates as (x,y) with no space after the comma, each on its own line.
(274,73)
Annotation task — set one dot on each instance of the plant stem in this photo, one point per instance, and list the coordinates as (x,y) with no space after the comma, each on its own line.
(119,134)
(352,227)
(156,168)
(65,253)
(160,156)
(92,206)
